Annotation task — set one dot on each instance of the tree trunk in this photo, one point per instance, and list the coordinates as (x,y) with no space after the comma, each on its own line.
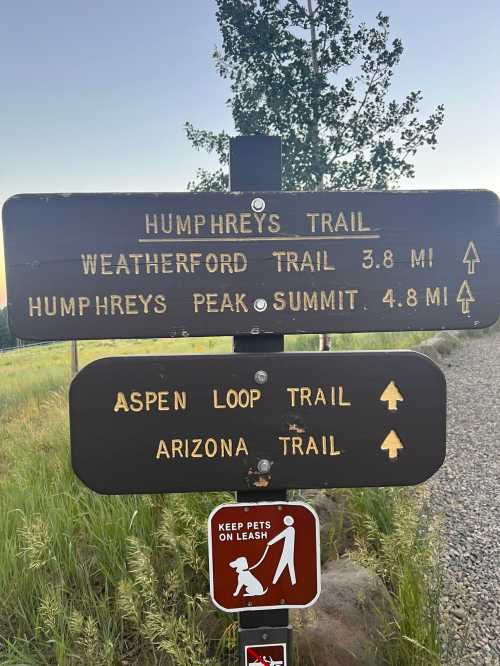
(325,342)
(324,339)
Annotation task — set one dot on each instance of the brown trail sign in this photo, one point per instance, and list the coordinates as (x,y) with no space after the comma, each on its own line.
(264,556)
(155,424)
(158,265)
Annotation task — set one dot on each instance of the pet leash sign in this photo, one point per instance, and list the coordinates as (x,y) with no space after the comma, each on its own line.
(264,556)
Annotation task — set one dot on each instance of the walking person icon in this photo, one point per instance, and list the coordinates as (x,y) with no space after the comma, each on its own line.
(287,559)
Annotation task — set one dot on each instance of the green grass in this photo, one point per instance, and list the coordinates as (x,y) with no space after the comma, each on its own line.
(86,579)
(396,537)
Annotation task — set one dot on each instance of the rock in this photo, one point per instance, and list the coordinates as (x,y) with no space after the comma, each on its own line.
(459,613)
(335,532)
(446,342)
(429,350)
(341,629)
(439,345)
(478,332)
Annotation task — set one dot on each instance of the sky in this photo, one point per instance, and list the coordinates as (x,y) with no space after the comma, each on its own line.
(94,94)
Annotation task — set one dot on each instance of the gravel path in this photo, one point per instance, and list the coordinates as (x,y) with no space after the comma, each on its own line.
(466,492)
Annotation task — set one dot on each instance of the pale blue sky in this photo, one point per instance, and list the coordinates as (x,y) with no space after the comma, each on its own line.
(94,93)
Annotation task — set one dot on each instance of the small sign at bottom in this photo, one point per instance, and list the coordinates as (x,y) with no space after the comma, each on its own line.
(266,655)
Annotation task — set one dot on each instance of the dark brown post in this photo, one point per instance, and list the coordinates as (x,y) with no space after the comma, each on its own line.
(255,165)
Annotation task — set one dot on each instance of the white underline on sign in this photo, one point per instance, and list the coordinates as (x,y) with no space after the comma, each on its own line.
(276,239)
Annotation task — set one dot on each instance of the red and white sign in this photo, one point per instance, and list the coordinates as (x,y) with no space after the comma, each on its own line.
(265,655)
(263,556)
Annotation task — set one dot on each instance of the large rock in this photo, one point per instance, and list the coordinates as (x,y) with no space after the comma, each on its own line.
(342,628)
(445,342)
(427,347)
(438,345)
(335,524)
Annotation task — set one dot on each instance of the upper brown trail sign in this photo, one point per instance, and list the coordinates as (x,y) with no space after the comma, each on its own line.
(158,265)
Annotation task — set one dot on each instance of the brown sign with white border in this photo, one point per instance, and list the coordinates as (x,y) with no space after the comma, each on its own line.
(264,556)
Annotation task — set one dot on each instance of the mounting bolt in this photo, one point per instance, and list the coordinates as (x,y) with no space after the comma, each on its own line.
(258,205)
(264,466)
(265,637)
(260,304)
(261,377)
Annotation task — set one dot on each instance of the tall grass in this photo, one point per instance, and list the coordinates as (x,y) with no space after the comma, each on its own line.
(96,580)
(91,580)
(396,537)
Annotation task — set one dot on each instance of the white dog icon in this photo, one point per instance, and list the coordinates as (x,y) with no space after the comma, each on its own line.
(246,579)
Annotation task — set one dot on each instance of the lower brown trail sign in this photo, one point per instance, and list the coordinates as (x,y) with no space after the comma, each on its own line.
(255,421)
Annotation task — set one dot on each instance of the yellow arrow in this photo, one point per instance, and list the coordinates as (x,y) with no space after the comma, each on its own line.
(393,444)
(471,258)
(465,297)
(392,396)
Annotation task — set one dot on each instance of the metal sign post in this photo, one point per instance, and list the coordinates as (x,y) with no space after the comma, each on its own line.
(255,164)
(74,357)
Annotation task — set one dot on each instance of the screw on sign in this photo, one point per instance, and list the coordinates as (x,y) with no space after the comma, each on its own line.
(265,655)
(264,556)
